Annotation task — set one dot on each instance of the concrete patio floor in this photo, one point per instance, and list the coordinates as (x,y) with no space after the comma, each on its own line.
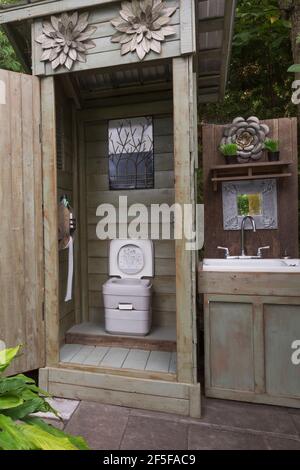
(225,425)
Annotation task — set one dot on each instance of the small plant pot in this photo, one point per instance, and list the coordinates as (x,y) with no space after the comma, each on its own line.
(231,159)
(273,156)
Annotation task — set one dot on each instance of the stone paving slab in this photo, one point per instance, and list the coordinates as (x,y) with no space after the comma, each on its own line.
(249,416)
(203,438)
(150,434)
(224,425)
(102,426)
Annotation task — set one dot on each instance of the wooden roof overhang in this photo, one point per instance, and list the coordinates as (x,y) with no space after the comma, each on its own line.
(213,38)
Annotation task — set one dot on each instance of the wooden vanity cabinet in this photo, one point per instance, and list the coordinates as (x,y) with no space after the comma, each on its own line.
(249,339)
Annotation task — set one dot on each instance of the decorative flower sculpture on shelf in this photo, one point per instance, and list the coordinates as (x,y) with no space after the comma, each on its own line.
(66,39)
(143,26)
(249,135)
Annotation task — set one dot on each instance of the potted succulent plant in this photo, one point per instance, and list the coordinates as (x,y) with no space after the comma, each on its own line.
(230,153)
(272,147)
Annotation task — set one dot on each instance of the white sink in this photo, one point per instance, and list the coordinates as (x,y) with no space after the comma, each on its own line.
(253,265)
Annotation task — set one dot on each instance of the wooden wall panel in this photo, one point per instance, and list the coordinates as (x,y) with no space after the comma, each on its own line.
(21,234)
(281,240)
(96,151)
(65,186)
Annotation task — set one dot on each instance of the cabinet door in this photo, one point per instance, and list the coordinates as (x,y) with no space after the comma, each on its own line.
(21,232)
(282,328)
(229,352)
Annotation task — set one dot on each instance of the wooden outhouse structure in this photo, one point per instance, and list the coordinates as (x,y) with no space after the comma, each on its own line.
(90,62)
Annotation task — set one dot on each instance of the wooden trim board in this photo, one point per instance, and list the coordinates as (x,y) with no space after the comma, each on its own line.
(169,397)
(149,343)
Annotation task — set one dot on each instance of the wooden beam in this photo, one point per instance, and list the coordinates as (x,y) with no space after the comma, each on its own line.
(50,220)
(183,84)
(51,7)
(187,27)
(227,42)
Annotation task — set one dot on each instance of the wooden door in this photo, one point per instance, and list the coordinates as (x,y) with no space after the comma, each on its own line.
(21,220)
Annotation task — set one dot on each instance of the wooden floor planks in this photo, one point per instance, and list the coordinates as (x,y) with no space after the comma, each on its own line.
(122,358)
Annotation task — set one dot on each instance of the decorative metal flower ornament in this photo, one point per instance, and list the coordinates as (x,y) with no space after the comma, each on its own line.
(142,26)
(249,135)
(66,39)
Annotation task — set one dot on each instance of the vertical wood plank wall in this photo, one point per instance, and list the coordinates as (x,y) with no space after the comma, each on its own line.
(64,186)
(51,307)
(96,154)
(21,233)
(286,237)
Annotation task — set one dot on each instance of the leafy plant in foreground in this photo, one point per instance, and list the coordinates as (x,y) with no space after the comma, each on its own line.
(19,398)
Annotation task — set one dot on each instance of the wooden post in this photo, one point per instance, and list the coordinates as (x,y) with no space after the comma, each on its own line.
(184,153)
(50,220)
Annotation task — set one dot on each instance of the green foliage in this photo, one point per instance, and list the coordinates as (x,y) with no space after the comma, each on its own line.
(243,204)
(19,398)
(271,145)
(8,58)
(228,149)
(261,54)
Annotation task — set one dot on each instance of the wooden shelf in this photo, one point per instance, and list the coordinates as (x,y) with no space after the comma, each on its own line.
(249,171)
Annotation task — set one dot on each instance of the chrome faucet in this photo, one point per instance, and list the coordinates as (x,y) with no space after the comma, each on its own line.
(243,254)
(248,217)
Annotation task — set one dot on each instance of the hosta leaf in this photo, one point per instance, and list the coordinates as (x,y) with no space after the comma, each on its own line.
(294,68)
(78,441)
(31,406)
(11,384)
(44,440)
(8,402)
(7,356)
(11,437)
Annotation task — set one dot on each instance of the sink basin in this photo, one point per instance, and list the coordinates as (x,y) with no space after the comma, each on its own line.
(252,265)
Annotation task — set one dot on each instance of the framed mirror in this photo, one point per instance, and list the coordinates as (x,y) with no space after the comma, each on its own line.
(257,198)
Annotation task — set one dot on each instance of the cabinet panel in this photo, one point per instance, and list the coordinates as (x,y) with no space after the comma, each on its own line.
(231,345)
(282,328)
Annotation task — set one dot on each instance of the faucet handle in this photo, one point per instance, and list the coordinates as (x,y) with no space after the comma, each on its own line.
(226,250)
(261,249)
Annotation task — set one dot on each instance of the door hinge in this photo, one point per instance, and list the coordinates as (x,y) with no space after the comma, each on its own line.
(40,132)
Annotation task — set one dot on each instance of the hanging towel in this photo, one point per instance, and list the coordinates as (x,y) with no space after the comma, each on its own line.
(70,270)
(66,240)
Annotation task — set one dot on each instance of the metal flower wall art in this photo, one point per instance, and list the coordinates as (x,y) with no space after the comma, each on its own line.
(249,135)
(143,26)
(66,39)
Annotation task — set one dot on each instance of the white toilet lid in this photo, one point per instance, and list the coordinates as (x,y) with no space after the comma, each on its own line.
(131,258)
